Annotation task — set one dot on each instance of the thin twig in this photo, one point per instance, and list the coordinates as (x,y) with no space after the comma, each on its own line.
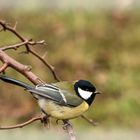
(50,67)
(22,124)
(16,46)
(26,42)
(26,71)
(13,30)
(90,121)
(29,50)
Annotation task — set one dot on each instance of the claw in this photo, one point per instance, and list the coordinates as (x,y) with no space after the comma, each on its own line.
(57,121)
(66,124)
(46,121)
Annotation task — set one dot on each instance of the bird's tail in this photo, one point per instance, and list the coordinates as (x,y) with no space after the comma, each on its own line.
(15,82)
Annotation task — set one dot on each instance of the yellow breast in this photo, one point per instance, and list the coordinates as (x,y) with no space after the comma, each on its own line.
(62,112)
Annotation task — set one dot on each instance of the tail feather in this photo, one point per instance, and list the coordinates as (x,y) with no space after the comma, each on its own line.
(15,82)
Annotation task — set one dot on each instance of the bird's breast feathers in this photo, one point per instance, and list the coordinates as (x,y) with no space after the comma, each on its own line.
(62,112)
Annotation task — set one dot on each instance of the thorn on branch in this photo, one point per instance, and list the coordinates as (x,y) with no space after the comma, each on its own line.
(3,24)
(50,67)
(28,68)
(13,30)
(3,68)
(15,26)
(45,54)
(27,44)
(31,42)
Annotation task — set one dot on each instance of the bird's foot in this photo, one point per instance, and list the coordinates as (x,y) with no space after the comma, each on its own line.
(46,121)
(57,121)
(66,125)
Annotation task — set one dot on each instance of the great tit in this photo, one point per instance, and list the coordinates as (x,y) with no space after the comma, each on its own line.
(61,100)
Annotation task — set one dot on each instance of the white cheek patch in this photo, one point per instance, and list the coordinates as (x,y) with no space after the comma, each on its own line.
(84,94)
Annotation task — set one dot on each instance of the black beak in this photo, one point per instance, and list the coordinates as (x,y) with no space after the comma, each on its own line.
(97,92)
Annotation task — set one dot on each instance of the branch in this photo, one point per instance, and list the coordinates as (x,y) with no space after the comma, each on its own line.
(29,50)
(90,121)
(25,70)
(13,30)
(22,124)
(49,66)
(38,118)
(26,42)
(69,129)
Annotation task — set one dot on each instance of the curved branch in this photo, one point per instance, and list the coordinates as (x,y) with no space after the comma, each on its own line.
(17,45)
(90,121)
(13,30)
(22,124)
(29,50)
(50,67)
(25,70)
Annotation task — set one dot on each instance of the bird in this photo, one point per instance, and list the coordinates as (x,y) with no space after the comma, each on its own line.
(61,100)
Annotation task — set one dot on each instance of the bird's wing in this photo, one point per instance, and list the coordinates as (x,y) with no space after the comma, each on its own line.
(62,93)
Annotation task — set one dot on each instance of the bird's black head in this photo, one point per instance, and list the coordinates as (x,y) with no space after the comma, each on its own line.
(85,90)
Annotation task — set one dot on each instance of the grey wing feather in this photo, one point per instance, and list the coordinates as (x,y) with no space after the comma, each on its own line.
(46,93)
(72,99)
(57,95)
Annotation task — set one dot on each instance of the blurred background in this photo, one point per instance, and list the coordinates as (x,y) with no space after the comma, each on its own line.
(86,39)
